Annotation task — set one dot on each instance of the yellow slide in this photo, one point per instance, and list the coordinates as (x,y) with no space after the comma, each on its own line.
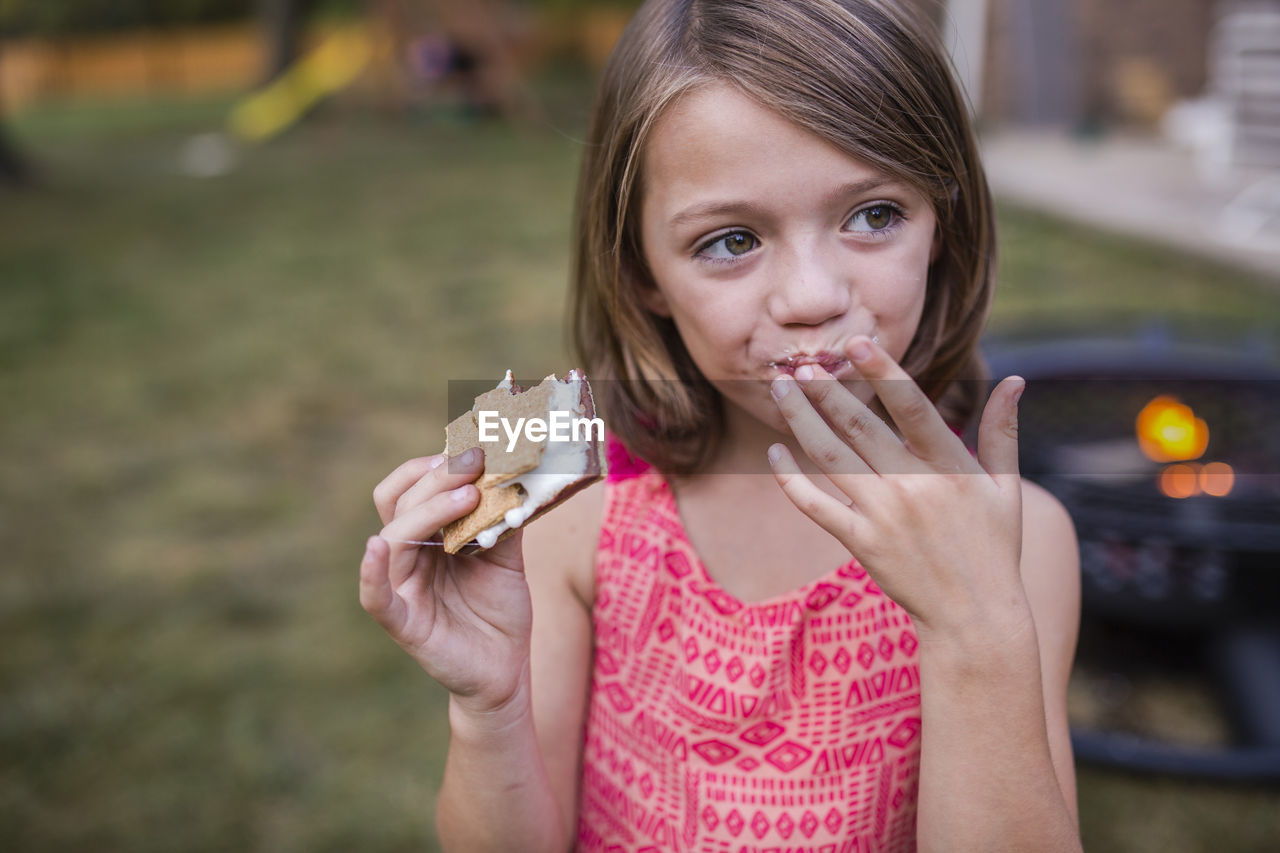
(332,66)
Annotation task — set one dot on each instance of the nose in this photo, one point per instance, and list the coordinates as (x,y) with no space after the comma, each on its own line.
(809,289)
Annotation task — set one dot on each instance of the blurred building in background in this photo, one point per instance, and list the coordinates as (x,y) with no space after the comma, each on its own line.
(1091,61)
(1155,118)
(1206,68)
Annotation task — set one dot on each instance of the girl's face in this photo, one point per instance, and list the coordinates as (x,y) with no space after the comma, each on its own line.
(770,248)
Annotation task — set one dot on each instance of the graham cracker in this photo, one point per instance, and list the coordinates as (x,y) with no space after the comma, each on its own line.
(494,503)
(501,465)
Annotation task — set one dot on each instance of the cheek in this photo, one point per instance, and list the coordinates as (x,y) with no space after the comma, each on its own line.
(902,284)
(710,327)
(899,300)
(709,312)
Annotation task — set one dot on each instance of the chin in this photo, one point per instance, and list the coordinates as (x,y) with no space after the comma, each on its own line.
(756,404)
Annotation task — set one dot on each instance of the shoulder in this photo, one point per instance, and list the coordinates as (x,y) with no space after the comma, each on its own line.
(1047,527)
(1050,562)
(559,559)
(562,544)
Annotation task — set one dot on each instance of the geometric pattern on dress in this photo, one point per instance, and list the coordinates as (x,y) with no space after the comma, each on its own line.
(717,726)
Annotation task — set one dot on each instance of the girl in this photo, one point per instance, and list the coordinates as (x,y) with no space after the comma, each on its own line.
(785,257)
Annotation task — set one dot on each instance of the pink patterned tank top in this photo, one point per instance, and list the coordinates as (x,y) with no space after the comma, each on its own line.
(790,725)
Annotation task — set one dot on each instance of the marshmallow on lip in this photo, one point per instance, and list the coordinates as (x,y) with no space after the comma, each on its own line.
(829,361)
(832,364)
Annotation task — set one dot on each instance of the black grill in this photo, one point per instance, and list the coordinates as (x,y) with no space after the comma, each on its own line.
(1203,565)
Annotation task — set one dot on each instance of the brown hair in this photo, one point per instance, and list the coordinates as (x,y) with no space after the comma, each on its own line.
(869,77)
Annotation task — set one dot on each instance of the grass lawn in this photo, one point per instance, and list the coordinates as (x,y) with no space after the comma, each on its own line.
(203,380)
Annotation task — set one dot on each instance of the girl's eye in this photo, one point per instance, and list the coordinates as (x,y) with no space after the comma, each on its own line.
(731,245)
(877,217)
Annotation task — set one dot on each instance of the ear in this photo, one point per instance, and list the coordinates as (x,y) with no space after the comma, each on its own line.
(636,276)
(652,297)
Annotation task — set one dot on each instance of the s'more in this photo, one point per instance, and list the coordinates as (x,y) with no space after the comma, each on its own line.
(540,445)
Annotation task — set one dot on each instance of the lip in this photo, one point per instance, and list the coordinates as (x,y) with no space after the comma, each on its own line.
(834,364)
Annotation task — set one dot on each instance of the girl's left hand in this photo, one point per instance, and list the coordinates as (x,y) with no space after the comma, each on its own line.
(937,529)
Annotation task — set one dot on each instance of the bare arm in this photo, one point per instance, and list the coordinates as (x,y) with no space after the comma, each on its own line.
(470,623)
(996,770)
(1051,575)
(496,793)
(511,779)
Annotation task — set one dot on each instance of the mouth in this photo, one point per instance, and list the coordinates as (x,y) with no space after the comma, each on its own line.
(830,362)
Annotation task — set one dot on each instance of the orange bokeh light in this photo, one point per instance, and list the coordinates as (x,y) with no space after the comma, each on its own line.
(1168,431)
(1217,479)
(1180,480)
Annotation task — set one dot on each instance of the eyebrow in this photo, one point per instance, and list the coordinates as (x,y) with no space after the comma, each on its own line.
(749,208)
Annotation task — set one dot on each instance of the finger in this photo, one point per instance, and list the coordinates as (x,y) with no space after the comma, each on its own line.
(377,596)
(852,421)
(830,514)
(388,492)
(998,429)
(422,523)
(915,415)
(831,454)
(463,468)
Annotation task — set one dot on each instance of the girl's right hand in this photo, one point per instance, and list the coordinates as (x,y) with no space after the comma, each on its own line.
(465,620)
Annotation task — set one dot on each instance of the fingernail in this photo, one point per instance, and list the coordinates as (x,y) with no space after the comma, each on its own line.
(436,462)
(860,351)
(471,457)
(1017,395)
(804,373)
(462,494)
(775,453)
(780,387)
(368,547)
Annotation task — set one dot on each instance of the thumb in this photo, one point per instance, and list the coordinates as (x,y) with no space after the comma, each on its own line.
(998,430)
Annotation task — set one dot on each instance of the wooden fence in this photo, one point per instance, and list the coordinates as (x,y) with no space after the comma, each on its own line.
(228,58)
(177,61)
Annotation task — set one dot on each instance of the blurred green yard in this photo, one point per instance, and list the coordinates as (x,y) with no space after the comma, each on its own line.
(202,382)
